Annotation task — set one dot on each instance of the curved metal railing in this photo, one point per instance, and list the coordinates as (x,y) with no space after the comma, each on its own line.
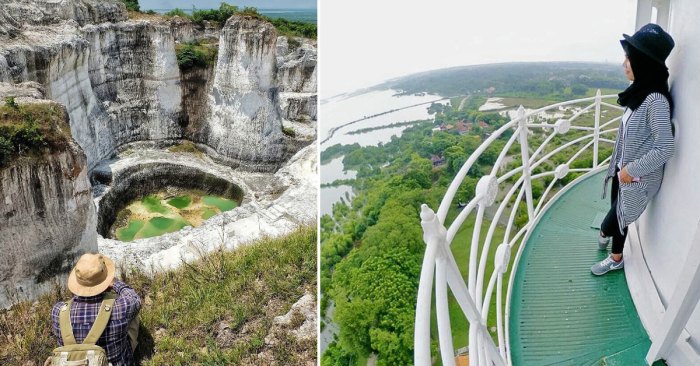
(439,265)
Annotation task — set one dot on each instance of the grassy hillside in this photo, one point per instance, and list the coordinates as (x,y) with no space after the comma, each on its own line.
(217,311)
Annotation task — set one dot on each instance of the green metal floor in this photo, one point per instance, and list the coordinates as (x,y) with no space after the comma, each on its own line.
(561,314)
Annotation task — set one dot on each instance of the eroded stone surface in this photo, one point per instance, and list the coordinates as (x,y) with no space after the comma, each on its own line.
(244,125)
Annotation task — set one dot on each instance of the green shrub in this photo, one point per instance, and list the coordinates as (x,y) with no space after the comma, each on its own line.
(132,5)
(28,129)
(225,11)
(6,149)
(220,15)
(194,54)
(177,12)
(10,102)
(251,12)
(28,136)
(289,131)
(295,29)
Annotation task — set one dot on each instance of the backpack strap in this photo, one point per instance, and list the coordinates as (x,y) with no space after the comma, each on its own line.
(100,324)
(66,327)
(98,327)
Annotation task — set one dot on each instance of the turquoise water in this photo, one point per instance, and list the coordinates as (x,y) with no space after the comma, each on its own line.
(221,203)
(153,215)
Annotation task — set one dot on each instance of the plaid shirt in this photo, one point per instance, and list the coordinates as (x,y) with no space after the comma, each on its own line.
(114,339)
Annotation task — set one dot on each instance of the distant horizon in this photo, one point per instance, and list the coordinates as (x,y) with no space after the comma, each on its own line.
(386,40)
(395,78)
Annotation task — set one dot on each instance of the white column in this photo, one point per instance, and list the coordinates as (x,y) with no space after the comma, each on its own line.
(684,300)
(663,11)
(643,13)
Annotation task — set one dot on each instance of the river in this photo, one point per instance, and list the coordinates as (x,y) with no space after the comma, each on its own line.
(340,110)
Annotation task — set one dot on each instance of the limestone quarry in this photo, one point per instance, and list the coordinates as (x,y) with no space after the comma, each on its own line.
(248,118)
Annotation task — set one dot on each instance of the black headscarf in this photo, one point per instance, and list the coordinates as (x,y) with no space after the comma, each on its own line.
(649,76)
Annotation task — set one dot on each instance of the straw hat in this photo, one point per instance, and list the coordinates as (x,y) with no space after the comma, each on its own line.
(92,275)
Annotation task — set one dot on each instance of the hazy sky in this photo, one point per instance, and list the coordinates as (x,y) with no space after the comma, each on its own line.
(204,4)
(363,42)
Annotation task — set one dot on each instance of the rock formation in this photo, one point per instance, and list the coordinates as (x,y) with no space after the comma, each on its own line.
(47,216)
(244,123)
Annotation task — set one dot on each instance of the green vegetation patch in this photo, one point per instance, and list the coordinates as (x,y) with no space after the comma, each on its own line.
(289,131)
(194,54)
(337,150)
(182,310)
(294,28)
(132,5)
(545,80)
(31,129)
(284,27)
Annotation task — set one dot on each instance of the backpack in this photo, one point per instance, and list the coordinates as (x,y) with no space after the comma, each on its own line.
(88,353)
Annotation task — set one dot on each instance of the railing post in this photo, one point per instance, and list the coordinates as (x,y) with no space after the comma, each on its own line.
(683,302)
(596,130)
(525,156)
(434,235)
(442,311)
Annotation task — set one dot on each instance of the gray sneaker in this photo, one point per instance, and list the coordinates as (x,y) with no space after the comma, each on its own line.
(606,265)
(603,242)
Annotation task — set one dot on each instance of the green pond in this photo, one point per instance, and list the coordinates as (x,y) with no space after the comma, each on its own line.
(160,213)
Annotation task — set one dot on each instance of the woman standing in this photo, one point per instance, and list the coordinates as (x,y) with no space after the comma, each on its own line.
(644,141)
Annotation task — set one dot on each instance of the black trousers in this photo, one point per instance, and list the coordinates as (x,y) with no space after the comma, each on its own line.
(609,226)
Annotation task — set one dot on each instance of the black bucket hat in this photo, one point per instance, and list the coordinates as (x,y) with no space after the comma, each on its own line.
(651,40)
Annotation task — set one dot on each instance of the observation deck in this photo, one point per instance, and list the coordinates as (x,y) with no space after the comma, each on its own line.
(552,309)
(561,314)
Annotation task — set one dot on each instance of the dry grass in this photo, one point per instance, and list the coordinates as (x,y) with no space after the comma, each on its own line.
(186,147)
(217,311)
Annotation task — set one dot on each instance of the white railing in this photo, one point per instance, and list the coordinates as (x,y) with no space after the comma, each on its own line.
(439,264)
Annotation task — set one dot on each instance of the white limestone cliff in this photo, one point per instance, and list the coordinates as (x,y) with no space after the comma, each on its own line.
(47,217)
(244,125)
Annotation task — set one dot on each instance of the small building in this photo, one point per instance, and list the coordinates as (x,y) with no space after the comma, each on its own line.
(462,127)
(437,160)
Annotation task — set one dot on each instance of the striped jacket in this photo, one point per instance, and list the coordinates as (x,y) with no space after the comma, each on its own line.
(647,146)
